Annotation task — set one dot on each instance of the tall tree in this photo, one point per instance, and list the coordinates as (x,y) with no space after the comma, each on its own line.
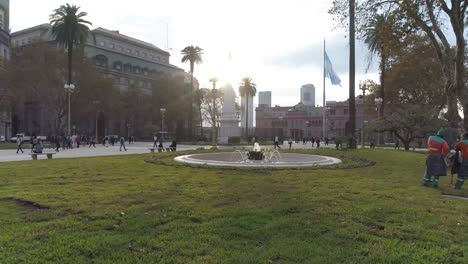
(378,38)
(214,136)
(248,89)
(193,55)
(70,30)
(352,74)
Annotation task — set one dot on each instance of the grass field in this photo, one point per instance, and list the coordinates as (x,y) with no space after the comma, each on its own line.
(10,146)
(125,210)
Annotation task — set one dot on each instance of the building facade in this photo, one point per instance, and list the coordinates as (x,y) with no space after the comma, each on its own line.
(5,97)
(264,98)
(125,60)
(308,95)
(303,121)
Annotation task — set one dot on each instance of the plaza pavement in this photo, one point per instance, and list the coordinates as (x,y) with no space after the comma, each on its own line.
(136,148)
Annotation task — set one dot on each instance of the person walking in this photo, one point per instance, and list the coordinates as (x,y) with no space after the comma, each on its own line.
(435,162)
(122,144)
(462,173)
(397,144)
(313,141)
(327,140)
(317,141)
(92,142)
(155,141)
(78,141)
(19,142)
(290,141)
(276,143)
(57,143)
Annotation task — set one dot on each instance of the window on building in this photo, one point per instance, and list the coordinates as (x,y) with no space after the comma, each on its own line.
(159,58)
(112,46)
(137,70)
(145,55)
(118,66)
(137,52)
(129,51)
(121,49)
(127,67)
(332,112)
(101,43)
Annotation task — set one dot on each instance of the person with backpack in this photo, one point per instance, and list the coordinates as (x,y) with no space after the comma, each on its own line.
(435,162)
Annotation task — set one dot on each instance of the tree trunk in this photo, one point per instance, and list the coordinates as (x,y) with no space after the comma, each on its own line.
(70,59)
(190,124)
(201,119)
(247,117)
(213,120)
(352,75)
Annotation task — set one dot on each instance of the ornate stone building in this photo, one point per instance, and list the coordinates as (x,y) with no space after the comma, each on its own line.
(126,60)
(5,99)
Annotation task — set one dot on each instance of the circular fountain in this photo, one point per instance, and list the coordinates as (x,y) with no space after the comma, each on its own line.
(248,159)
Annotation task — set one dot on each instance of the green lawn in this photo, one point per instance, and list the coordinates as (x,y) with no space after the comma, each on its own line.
(9,145)
(125,210)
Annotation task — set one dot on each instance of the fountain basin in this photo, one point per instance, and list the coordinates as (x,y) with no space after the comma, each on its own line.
(238,160)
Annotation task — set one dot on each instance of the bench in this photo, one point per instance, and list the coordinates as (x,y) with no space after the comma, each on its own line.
(48,154)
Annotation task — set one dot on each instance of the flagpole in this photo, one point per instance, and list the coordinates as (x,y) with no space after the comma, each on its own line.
(324,101)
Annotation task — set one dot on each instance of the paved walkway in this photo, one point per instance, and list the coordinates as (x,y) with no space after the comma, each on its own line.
(137,148)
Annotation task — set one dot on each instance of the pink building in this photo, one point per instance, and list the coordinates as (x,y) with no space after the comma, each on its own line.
(301,121)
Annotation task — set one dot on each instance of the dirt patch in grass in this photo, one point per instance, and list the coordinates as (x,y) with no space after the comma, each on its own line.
(25,204)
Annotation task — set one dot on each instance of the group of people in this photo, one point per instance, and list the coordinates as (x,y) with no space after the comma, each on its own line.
(314,140)
(436,166)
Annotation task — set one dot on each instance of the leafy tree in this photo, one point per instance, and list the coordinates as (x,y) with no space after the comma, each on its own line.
(414,95)
(193,55)
(248,89)
(215,97)
(427,17)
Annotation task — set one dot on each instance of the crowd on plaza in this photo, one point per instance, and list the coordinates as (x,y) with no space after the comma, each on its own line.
(70,142)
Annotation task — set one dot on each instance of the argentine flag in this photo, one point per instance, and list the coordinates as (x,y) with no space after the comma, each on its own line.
(330,73)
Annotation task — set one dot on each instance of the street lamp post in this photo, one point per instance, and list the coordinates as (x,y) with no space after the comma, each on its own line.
(163,112)
(96,103)
(69,88)
(378,102)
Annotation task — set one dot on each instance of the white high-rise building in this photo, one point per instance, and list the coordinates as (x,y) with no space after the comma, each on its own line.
(308,94)
(264,98)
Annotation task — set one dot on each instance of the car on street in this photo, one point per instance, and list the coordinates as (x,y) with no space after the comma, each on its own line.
(2,139)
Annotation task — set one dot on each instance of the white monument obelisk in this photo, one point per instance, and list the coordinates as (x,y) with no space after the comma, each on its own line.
(229,121)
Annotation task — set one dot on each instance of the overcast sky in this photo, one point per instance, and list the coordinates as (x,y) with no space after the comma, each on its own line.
(277,43)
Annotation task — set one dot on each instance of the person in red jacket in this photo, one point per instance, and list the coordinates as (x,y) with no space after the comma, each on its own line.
(437,149)
(462,174)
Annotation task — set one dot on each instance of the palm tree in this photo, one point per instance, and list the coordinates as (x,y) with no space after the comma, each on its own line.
(194,56)
(214,133)
(247,88)
(69,29)
(378,37)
